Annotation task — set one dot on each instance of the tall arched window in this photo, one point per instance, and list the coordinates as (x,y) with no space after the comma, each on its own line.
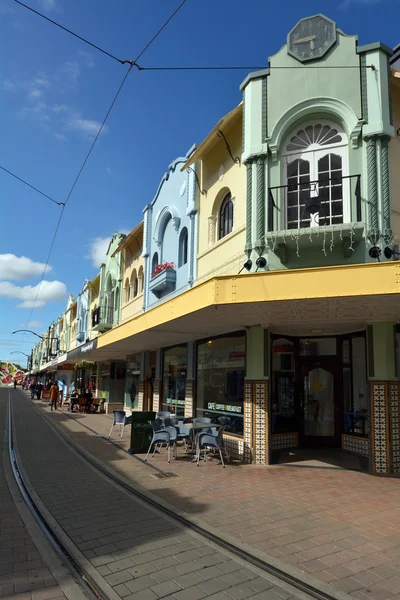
(141,280)
(127,290)
(318,189)
(154,263)
(135,284)
(183,247)
(225,217)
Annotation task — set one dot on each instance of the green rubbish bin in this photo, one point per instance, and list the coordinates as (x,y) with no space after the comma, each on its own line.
(141,431)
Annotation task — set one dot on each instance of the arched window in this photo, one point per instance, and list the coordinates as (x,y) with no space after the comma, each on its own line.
(141,280)
(183,247)
(225,217)
(315,164)
(135,286)
(127,290)
(154,263)
(116,302)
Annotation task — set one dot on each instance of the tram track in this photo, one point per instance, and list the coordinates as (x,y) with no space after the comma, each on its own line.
(86,581)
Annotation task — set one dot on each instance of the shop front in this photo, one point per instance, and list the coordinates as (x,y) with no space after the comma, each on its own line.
(131,401)
(319,393)
(174,380)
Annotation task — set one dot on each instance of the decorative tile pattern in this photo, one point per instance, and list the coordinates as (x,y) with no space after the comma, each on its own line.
(394,396)
(248,422)
(261,447)
(280,441)
(156,395)
(143,400)
(235,448)
(189,408)
(380,459)
(353,443)
(140,396)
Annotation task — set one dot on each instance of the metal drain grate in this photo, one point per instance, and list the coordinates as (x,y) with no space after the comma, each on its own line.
(164,475)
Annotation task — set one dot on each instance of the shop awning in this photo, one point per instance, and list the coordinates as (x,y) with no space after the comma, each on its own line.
(327,300)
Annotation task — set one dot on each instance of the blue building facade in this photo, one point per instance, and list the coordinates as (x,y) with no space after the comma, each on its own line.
(170,234)
(82,332)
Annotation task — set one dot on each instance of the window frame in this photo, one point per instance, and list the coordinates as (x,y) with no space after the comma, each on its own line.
(183,249)
(223,217)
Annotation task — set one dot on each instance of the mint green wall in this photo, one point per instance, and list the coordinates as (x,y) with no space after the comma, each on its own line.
(277,103)
(112,268)
(383,352)
(256,352)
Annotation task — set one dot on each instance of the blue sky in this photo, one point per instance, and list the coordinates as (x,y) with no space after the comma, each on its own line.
(55,90)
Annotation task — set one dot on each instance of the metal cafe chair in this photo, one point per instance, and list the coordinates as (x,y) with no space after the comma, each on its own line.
(119,419)
(162,437)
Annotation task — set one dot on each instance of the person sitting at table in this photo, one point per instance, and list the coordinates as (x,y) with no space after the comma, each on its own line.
(74,401)
(89,400)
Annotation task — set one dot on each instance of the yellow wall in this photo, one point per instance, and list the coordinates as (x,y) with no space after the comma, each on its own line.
(220,175)
(132,261)
(394,159)
(74,325)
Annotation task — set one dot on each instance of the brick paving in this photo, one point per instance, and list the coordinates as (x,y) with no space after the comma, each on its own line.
(341,526)
(140,553)
(23,573)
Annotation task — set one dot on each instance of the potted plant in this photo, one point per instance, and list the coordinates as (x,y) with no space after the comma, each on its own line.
(163,279)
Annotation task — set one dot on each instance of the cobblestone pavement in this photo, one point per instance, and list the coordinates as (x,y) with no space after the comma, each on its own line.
(343,527)
(23,573)
(140,553)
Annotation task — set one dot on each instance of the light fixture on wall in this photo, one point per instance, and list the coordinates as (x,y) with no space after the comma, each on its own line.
(388,252)
(261,262)
(247,265)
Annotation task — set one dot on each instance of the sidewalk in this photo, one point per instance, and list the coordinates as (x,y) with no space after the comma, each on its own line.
(343,527)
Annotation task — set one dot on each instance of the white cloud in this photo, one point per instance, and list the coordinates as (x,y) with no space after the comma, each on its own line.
(48,4)
(71,70)
(109,170)
(88,59)
(87,127)
(20,267)
(35,93)
(98,250)
(349,3)
(32,324)
(46,291)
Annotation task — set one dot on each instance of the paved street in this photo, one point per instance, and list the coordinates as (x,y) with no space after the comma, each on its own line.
(23,573)
(139,553)
(342,527)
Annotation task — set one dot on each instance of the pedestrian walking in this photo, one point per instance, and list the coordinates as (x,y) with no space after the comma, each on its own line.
(32,387)
(15,384)
(39,389)
(54,390)
(89,400)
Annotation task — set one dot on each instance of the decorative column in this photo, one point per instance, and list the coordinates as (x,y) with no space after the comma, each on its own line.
(372,183)
(144,383)
(190,384)
(192,247)
(212,221)
(157,383)
(386,208)
(249,200)
(260,204)
(256,417)
(384,399)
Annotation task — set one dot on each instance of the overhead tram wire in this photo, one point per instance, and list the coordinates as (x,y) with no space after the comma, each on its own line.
(31,186)
(131,63)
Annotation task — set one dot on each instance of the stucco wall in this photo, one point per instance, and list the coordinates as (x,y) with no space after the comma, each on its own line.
(221,175)
(94,292)
(394,159)
(132,266)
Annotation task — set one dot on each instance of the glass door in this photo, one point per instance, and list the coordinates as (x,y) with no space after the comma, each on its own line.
(317,403)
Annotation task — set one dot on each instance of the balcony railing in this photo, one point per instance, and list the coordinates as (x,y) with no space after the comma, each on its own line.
(102,318)
(325,202)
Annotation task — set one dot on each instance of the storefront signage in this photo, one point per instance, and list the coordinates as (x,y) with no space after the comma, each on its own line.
(174,402)
(318,385)
(224,407)
(77,352)
(141,431)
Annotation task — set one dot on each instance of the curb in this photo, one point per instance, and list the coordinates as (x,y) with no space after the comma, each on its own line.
(199,523)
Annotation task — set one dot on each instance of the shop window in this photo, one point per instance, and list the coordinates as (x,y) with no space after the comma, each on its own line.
(318,347)
(225,217)
(356,413)
(174,380)
(141,280)
(132,382)
(183,247)
(154,263)
(283,387)
(220,380)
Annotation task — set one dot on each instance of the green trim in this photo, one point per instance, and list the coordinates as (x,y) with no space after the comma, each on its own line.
(370,352)
(249,200)
(375,46)
(253,76)
(372,183)
(264,100)
(260,199)
(364,89)
(387,213)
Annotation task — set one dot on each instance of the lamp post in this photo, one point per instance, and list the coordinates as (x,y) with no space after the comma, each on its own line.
(27,355)
(42,337)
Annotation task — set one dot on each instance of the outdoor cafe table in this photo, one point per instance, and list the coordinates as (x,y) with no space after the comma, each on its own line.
(197,427)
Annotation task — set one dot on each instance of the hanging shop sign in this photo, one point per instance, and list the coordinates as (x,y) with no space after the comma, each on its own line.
(224,407)
(82,350)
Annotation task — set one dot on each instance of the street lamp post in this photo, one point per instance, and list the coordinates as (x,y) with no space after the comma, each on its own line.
(27,355)
(42,337)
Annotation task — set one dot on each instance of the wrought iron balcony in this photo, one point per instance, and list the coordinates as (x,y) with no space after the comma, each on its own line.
(327,201)
(102,318)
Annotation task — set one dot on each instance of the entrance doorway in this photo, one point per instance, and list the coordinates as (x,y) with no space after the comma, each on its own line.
(318,404)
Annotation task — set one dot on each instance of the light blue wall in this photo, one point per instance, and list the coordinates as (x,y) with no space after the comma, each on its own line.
(83,314)
(174,207)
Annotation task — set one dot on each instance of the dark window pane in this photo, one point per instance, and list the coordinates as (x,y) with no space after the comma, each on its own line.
(323,163)
(336,161)
(292,169)
(337,192)
(304,167)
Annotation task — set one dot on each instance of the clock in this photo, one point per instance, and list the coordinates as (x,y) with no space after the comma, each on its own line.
(312,38)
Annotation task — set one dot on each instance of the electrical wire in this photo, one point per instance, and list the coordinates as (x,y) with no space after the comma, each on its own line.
(249,68)
(91,149)
(31,186)
(71,32)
